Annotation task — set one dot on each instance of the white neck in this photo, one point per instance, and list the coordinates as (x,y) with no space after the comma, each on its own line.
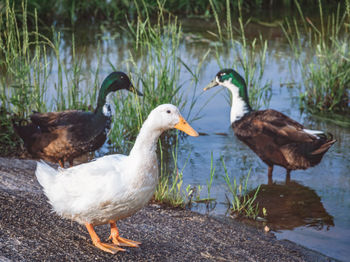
(146,142)
(239,106)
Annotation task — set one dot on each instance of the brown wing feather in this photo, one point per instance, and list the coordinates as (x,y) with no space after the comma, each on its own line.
(279,140)
(52,120)
(275,124)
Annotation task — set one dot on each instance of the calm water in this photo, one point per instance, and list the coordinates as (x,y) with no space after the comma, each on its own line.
(314,210)
(316,215)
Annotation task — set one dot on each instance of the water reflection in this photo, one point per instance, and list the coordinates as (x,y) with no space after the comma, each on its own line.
(291,205)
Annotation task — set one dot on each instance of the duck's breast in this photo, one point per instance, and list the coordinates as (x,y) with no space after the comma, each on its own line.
(110,190)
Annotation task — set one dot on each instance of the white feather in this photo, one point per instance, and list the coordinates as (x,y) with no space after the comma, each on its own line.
(238,107)
(112,187)
(313,132)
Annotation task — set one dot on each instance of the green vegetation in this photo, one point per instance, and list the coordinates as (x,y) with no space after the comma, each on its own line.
(21,84)
(170,186)
(326,69)
(208,200)
(27,61)
(73,12)
(27,80)
(21,69)
(241,203)
(157,74)
(37,74)
(27,58)
(249,56)
(9,141)
(212,173)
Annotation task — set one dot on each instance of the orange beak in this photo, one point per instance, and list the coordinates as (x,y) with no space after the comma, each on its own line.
(185,127)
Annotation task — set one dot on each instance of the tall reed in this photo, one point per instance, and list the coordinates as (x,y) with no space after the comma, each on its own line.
(22,82)
(27,60)
(170,189)
(154,60)
(73,12)
(326,68)
(241,203)
(249,56)
(22,85)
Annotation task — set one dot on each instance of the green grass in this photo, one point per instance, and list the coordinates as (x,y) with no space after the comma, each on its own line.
(240,202)
(249,56)
(10,143)
(326,69)
(27,58)
(208,200)
(19,85)
(170,189)
(156,63)
(76,11)
(28,83)
(27,61)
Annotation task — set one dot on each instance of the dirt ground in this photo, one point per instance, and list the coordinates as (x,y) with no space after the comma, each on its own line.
(30,231)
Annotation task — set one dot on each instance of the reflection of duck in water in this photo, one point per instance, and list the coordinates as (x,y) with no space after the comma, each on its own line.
(292,205)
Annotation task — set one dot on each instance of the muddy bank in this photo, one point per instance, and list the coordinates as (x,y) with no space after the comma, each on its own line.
(29,231)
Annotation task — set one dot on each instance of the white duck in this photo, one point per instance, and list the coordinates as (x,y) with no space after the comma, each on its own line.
(112,187)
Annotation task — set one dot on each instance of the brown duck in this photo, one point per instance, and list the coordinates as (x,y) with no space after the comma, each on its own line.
(273,136)
(63,136)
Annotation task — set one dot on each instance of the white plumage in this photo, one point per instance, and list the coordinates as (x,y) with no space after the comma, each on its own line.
(111,187)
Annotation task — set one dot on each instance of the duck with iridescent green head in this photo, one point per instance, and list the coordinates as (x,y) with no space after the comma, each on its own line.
(63,136)
(273,136)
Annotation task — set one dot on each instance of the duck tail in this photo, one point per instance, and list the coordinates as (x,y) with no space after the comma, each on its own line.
(45,175)
(323,148)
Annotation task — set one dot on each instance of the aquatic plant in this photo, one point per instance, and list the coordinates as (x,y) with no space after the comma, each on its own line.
(28,57)
(249,56)
(170,186)
(22,86)
(26,64)
(326,70)
(212,173)
(157,74)
(241,203)
(9,141)
(195,191)
(73,12)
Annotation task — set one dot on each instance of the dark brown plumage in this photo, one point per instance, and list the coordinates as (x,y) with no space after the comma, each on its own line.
(279,140)
(273,136)
(63,136)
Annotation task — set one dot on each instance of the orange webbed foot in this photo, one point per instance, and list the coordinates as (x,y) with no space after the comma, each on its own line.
(110,248)
(120,241)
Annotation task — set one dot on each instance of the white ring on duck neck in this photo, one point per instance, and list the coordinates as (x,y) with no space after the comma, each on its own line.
(106,110)
(238,106)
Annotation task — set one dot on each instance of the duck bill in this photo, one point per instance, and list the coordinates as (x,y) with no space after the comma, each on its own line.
(211,85)
(185,127)
(134,90)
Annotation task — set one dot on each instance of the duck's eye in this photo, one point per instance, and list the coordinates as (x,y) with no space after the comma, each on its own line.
(121,77)
(168,111)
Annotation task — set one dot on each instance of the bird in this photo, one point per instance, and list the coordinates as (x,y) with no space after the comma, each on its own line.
(62,136)
(273,136)
(112,187)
